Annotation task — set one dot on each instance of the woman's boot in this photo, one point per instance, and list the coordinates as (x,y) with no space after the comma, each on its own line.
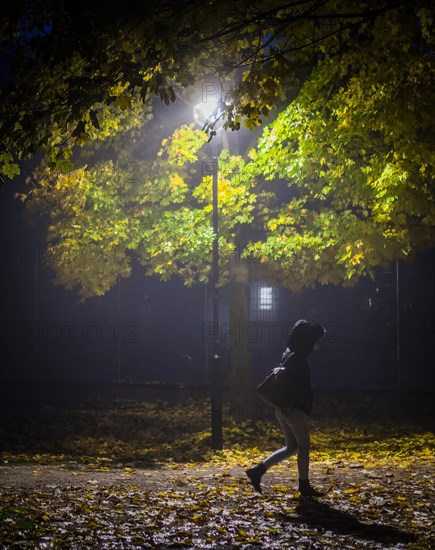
(255,474)
(307,491)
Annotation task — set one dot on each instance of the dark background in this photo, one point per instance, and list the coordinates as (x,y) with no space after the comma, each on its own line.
(144,330)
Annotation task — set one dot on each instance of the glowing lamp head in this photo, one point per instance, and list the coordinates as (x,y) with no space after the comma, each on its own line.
(208,111)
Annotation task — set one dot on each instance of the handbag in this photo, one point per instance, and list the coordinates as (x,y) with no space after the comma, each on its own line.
(273,389)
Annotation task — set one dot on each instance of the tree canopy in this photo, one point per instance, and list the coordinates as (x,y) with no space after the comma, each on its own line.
(356,151)
(157,212)
(66,65)
(340,182)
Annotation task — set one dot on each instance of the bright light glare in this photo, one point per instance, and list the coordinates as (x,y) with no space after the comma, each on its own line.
(205,111)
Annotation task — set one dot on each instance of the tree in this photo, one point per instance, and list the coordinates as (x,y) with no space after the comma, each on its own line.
(158,211)
(104,215)
(334,185)
(355,154)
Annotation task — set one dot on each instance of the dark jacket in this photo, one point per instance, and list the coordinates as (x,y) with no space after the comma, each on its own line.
(297,380)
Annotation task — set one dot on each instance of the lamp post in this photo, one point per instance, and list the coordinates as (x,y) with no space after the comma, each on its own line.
(206,112)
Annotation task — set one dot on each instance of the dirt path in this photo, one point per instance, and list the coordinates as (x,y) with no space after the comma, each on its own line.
(39,476)
(341,475)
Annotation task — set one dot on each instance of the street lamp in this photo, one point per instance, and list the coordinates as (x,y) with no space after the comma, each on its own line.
(205,113)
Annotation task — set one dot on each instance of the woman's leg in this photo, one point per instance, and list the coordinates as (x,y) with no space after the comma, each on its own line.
(256,472)
(290,442)
(294,425)
(296,421)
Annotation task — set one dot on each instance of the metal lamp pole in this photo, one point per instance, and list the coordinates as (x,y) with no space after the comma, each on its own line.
(215,364)
(216,372)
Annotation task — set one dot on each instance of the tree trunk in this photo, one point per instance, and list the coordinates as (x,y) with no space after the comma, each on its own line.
(241,394)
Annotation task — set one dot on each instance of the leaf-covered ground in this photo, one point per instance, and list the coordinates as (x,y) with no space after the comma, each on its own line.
(141,475)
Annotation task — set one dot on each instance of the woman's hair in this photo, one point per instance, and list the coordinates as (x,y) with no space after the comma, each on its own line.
(304,335)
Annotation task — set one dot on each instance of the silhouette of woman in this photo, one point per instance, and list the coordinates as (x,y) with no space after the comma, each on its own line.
(294,407)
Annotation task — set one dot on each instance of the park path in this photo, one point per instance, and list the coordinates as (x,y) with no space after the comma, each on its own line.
(339,474)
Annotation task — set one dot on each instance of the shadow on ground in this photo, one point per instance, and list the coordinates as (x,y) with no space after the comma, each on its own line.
(321,515)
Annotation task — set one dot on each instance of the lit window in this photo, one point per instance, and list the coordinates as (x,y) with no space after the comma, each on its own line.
(266,297)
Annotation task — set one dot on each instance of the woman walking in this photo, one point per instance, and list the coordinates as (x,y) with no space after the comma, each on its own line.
(295,404)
